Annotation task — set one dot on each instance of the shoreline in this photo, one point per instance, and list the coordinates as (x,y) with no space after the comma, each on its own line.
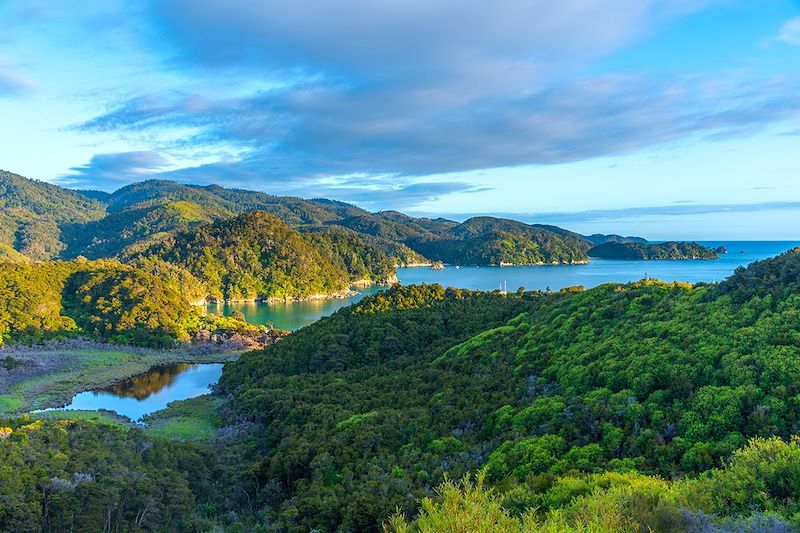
(51,376)
(338,295)
(504,265)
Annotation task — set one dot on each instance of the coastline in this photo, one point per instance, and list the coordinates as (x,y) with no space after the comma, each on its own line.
(337,295)
(491,265)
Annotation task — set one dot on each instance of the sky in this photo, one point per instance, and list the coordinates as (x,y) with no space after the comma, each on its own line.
(670,119)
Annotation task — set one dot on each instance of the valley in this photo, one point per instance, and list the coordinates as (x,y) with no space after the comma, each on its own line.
(557,382)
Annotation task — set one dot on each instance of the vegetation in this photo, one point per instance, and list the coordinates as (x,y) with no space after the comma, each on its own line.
(599,238)
(125,305)
(554,397)
(666,250)
(198,419)
(145,305)
(33,215)
(43,221)
(361,256)
(110,236)
(85,477)
(252,256)
(648,406)
(747,494)
(492,241)
(105,299)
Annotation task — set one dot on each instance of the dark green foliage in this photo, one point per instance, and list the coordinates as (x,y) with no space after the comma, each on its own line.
(494,241)
(777,277)
(599,238)
(665,250)
(84,477)
(364,411)
(32,214)
(111,235)
(255,255)
(434,226)
(343,430)
(391,228)
(104,299)
(361,256)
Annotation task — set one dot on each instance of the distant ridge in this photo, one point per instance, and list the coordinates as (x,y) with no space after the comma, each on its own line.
(44,221)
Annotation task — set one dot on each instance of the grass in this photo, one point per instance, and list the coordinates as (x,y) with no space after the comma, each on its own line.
(193,419)
(10,403)
(83,369)
(183,428)
(100,417)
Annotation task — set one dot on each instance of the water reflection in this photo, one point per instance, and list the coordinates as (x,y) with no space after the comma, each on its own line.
(289,316)
(151,391)
(143,385)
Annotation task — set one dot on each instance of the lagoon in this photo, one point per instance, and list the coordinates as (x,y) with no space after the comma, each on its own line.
(151,391)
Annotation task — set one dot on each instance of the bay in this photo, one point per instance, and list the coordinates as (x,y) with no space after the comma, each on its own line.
(292,316)
(153,390)
(599,271)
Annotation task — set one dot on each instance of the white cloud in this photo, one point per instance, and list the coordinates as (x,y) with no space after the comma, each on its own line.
(790,32)
(13,81)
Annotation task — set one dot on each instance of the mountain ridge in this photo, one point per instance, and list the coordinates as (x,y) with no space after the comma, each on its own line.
(45,221)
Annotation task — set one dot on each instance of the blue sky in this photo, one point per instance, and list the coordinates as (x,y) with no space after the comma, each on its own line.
(663,118)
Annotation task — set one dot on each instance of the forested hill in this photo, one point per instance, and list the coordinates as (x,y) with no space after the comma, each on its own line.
(649,406)
(599,238)
(255,255)
(644,251)
(33,214)
(497,241)
(552,396)
(44,221)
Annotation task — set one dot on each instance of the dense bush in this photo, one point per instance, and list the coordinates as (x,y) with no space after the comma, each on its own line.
(366,411)
(86,477)
(494,241)
(250,256)
(104,299)
(663,250)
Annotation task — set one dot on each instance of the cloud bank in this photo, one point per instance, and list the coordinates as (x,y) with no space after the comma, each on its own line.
(364,100)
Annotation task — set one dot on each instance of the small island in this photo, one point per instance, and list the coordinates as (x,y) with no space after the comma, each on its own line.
(666,250)
(437,265)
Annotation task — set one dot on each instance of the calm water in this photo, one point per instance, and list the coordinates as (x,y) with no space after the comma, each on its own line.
(151,391)
(296,315)
(288,316)
(598,271)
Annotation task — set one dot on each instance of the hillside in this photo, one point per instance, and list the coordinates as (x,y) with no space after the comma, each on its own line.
(649,406)
(105,300)
(639,251)
(255,255)
(599,238)
(664,379)
(293,211)
(361,256)
(150,211)
(495,241)
(33,215)
(110,236)
(44,221)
